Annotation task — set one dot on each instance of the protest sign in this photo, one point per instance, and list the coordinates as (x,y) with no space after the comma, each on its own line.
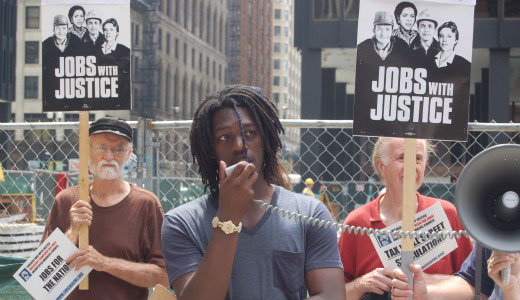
(413,69)
(45,274)
(426,251)
(86,55)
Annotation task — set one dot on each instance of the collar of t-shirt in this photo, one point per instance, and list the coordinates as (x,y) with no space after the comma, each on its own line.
(274,199)
(375,215)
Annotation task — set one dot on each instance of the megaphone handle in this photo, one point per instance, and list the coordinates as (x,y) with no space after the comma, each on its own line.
(407,258)
(505,274)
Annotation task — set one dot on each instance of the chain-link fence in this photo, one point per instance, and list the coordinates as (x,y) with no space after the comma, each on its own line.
(40,159)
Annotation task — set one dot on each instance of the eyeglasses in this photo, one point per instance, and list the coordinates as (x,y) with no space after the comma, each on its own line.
(101,149)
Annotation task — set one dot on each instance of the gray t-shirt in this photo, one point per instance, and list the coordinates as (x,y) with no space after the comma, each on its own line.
(271,258)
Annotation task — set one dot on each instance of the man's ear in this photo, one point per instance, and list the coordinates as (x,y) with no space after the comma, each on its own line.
(379,166)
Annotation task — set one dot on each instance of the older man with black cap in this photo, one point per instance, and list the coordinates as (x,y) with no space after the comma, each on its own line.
(125,221)
(94,39)
(383,48)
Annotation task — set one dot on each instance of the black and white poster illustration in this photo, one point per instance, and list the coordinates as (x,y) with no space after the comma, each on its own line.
(85,55)
(413,68)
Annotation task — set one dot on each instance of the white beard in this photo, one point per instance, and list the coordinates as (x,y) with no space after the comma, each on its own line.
(108,173)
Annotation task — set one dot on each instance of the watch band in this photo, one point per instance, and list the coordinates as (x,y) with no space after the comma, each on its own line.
(227,227)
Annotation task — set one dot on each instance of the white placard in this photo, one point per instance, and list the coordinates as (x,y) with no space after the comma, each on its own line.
(427,251)
(45,274)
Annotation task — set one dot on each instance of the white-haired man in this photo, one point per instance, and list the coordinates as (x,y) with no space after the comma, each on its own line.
(124,222)
(363,270)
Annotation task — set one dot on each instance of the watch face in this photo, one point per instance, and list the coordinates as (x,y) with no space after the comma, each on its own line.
(227,227)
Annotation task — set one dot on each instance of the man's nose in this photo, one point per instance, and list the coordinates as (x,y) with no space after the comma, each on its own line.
(238,144)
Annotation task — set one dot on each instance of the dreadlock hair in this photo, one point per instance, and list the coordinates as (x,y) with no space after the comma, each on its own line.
(266,119)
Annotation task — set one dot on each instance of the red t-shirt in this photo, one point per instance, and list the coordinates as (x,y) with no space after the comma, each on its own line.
(360,257)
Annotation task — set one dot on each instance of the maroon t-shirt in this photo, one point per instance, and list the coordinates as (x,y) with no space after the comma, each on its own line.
(129,230)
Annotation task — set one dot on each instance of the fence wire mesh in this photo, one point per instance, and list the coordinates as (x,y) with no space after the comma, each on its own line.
(40,159)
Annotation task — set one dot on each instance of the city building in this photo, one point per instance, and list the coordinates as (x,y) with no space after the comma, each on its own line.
(7,55)
(286,64)
(249,43)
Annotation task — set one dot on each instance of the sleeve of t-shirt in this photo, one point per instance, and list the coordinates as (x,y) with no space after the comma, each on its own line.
(56,218)
(321,249)
(153,244)
(468,270)
(181,254)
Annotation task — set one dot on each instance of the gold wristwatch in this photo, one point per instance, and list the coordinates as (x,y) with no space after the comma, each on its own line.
(228,227)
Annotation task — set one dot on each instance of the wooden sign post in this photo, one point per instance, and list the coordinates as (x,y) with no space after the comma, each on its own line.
(409,207)
(161,293)
(83,182)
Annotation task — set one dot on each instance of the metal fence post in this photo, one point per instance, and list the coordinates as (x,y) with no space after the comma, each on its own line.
(140,151)
(148,147)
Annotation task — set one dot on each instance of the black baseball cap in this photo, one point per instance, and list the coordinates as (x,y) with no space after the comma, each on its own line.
(111,125)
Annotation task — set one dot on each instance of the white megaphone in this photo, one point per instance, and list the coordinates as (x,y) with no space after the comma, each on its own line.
(488,199)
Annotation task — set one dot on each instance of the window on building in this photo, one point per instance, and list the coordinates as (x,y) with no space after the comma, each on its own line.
(186,12)
(193,16)
(250,8)
(201,20)
(351,9)
(276,64)
(168,7)
(285,48)
(31,52)
(159,39)
(277,30)
(220,72)
(276,98)
(136,65)
(31,87)
(277,14)
(168,43)
(286,31)
(214,70)
(176,49)
(200,62)
(185,53)
(285,81)
(277,47)
(276,80)
(177,10)
(136,37)
(326,10)
(285,64)
(193,58)
(32,17)
(511,8)
(207,65)
(132,33)
(286,14)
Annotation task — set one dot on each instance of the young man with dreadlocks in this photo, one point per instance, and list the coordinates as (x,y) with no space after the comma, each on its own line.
(224,245)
